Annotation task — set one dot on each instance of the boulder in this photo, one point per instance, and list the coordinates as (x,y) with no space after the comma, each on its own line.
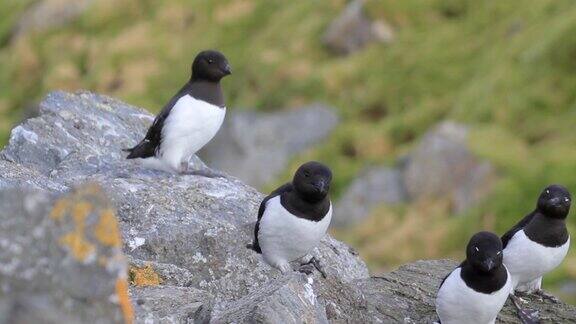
(61,260)
(442,166)
(257,147)
(353,29)
(371,187)
(46,14)
(184,238)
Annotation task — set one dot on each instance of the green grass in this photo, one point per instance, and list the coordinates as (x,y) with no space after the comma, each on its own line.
(507,68)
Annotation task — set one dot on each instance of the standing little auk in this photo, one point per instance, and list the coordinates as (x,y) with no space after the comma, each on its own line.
(476,291)
(540,241)
(189,120)
(293,219)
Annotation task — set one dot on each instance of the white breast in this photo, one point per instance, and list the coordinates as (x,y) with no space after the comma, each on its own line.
(527,260)
(191,124)
(457,303)
(285,237)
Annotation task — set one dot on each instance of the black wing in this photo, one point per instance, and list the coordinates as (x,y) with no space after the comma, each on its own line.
(521,224)
(148,146)
(282,189)
(449,273)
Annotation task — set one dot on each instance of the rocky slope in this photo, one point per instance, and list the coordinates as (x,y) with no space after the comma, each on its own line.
(184,239)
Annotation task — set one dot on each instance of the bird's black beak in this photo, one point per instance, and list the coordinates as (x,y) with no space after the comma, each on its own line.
(488,265)
(227,69)
(320,185)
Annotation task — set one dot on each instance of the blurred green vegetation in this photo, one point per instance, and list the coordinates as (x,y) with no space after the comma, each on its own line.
(508,68)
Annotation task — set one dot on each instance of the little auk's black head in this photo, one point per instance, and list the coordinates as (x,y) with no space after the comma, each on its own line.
(555,201)
(484,252)
(312,181)
(210,66)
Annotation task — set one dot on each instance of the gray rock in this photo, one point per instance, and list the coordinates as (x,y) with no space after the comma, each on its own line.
(46,14)
(61,263)
(256,147)
(353,30)
(442,166)
(180,225)
(185,237)
(371,187)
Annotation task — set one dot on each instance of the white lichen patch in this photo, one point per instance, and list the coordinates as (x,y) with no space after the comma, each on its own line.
(20,132)
(136,243)
(198,257)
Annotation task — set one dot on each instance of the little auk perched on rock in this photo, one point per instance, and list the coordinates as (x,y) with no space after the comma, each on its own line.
(189,120)
(537,244)
(475,291)
(293,219)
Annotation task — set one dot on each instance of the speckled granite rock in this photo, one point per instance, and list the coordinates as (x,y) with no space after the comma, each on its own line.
(61,261)
(184,237)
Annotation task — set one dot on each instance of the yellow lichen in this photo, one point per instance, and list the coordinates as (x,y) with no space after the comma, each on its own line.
(59,209)
(80,211)
(124,300)
(107,229)
(75,240)
(145,276)
(78,246)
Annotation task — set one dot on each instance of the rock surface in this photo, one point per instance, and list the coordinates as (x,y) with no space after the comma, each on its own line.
(442,165)
(46,14)
(184,237)
(353,30)
(256,147)
(371,188)
(61,260)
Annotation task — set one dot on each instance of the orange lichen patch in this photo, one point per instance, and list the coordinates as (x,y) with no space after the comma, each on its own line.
(107,229)
(59,209)
(80,211)
(145,276)
(77,244)
(124,300)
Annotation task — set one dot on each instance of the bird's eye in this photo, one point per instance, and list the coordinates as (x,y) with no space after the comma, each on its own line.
(477,249)
(567,199)
(499,252)
(306,174)
(210,61)
(547,191)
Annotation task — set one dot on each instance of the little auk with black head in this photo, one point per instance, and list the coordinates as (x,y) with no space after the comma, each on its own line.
(475,291)
(293,219)
(538,244)
(189,120)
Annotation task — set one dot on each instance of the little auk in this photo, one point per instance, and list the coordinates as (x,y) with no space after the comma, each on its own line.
(189,120)
(293,219)
(475,291)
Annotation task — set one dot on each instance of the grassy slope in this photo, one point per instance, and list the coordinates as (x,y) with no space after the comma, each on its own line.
(507,68)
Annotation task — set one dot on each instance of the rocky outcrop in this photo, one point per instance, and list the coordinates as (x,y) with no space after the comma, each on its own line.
(184,238)
(441,166)
(257,147)
(353,29)
(46,14)
(61,259)
(371,187)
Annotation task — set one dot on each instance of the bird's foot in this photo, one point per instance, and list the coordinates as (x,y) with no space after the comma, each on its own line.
(544,295)
(526,315)
(309,266)
(284,268)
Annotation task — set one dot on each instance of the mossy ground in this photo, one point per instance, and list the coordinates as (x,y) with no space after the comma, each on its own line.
(507,68)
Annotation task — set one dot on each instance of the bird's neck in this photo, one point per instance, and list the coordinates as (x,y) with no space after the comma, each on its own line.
(484,282)
(208,91)
(547,231)
(314,211)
